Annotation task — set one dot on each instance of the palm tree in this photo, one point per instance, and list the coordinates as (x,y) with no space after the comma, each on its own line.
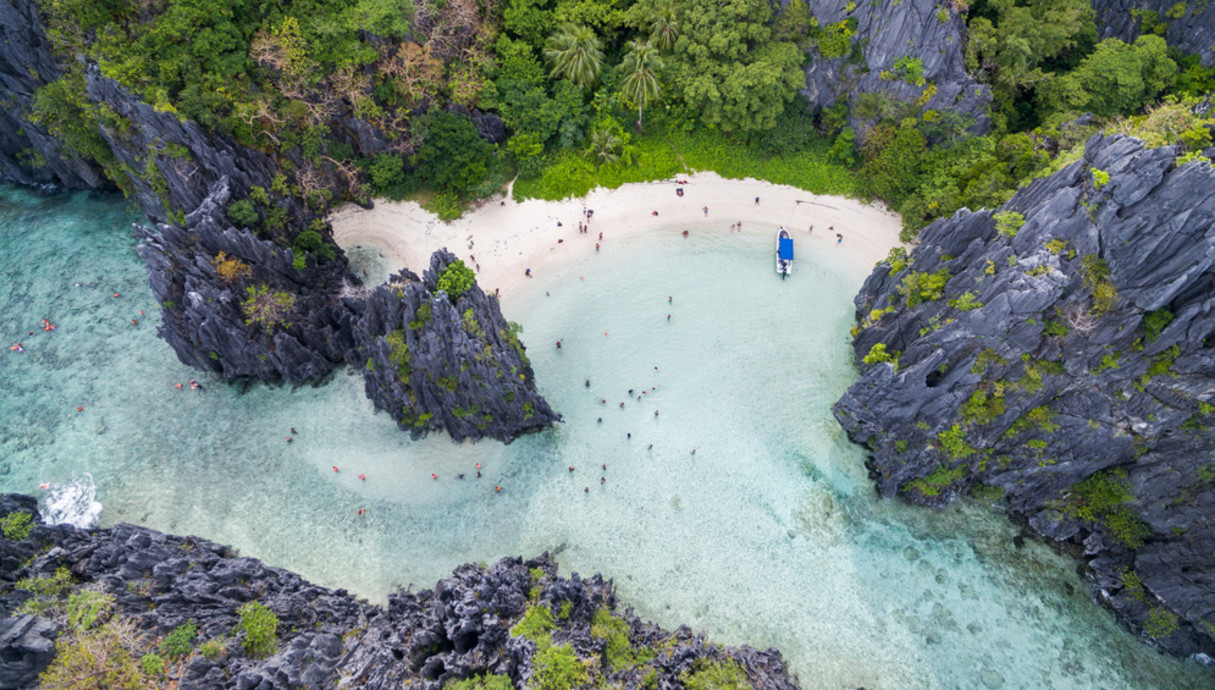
(605,146)
(663,28)
(573,52)
(640,67)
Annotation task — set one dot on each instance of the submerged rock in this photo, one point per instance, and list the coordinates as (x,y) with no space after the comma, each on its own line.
(325,638)
(1058,354)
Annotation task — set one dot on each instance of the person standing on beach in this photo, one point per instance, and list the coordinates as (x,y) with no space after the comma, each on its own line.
(706,210)
(757,201)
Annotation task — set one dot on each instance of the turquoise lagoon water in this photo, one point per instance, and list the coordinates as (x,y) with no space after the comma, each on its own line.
(769,535)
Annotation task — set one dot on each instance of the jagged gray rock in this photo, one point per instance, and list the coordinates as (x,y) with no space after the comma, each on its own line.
(887,30)
(28,154)
(433,363)
(1191,32)
(468,377)
(1042,386)
(326,638)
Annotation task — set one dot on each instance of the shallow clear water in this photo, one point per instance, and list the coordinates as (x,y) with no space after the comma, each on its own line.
(769,535)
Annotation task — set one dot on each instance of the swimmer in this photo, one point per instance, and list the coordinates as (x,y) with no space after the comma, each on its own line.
(588,383)
(655,413)
(599,421)
(362,511)
(433,475)
(288,439)
(685,233)
(79,408)
(194,385)
(460,476)
(629,436)
(558,344)
(115,295)
(693,451)
(603,480)
(17,348)
(571,468)
(45,486)
(478,474)
(586,489)
(178,386)
(478,465)
(668,317)
(605,465)
(630,392)
(670,299)
(622,406)
(77,284)
(602,401)
(601,237)
(335,469)
(650,447)
(363,477)
(498,489)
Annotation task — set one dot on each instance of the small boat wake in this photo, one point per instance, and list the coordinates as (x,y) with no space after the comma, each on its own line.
(73,502)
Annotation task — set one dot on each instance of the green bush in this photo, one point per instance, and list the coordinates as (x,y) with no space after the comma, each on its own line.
(213,648)
(243,214)
(1102,498)
(177,644)
(537,625)
(920,287)
(99,660)
(267,308)
(387,172)
(716,675)
(953,442)
(877,354)
(618,651)
(483,682)
(17,525)
(1154,322)
(260,626)
(558,668)
(1008,223)
(1161,623)
(455,280)
(87,608)
(153,664)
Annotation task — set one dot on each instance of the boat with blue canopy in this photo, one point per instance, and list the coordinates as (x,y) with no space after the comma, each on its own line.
(784,252)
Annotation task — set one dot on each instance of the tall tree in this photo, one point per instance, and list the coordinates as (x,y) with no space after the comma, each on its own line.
(664,28)
(640,67)
(574,53)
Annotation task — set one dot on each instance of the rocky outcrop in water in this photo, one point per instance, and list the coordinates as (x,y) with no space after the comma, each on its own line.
(248,309)
(250,314)
(1059,354)
(1187,26)
(436,362)
(880,34)
(464,626)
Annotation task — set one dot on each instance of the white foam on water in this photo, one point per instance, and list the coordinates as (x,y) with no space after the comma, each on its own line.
(73,502)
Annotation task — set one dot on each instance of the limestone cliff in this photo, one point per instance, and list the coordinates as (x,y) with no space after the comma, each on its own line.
(325,638)
(434,360)
(879,34)
(1058,354)
(1187,26)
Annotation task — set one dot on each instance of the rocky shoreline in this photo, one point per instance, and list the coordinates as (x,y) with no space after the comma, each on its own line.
(514,619)
(1055,354)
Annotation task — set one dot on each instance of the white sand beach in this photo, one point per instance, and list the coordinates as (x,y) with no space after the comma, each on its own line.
(502,238)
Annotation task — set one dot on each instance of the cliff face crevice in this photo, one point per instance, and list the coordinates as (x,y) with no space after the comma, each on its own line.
(326,638)
(885,32)
(1058,354)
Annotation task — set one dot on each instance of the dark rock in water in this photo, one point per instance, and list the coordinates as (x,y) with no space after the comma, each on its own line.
(433,363)
(1192,30)
(202,315)
(1066,365)
(887,30)
(458,629)
(459,367)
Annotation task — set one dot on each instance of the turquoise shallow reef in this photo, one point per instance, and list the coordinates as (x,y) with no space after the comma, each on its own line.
(770,534)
